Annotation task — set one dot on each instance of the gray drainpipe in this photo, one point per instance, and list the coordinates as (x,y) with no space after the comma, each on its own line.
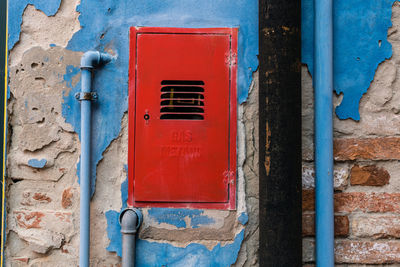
(130,220)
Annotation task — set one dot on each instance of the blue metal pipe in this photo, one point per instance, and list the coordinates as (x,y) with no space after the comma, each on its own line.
(323,85)
(89,61)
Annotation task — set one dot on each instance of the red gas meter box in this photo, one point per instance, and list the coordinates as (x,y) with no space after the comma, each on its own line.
(182,117)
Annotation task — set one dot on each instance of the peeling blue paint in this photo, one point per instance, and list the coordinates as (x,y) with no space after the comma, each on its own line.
(113,226)
(200,220)
(35,163)
(360,45)
(16,9)
(107,111)
(164,254)
(243,218)
(166,216)
(106,27)
(177,217)
(112,20)
(114,231)
(70,72)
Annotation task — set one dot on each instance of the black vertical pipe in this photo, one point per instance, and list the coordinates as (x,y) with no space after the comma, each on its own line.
(280,133)
(3,95)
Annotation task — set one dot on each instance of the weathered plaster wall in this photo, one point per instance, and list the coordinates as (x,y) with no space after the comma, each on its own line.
(360,44)
(46,42)
(43,152)
(366,153)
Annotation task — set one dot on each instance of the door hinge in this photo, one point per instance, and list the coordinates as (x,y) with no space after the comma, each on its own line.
(231,59)
(229,177)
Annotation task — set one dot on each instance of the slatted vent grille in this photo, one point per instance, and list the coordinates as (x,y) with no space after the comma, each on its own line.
(182,100)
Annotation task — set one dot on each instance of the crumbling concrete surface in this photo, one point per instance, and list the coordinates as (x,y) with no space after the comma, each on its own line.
(367,176)
(248,254)
(42,160)
(43,156)
(37,29)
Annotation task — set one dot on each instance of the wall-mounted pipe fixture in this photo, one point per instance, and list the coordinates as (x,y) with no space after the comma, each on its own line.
(89,61)
(130,220)
(280,133)
(323,84)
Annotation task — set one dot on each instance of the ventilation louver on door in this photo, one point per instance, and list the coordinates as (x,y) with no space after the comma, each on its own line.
(182,100)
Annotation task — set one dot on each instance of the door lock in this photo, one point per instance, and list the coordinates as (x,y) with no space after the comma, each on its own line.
(146,117)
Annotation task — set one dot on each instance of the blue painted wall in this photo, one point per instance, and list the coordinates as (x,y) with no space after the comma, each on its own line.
(163,254)
(16,9)
(111,21)
(360,29)
(360,44)
(105,27)
(35,163)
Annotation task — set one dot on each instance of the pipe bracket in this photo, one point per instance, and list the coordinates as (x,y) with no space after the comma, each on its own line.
(87,96)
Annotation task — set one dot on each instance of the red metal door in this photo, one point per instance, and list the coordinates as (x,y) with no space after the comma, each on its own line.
(182,124)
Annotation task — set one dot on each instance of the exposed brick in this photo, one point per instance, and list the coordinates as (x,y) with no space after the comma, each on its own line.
(358,252)
(23,259)
(28,220)
(340,177)
(41,197)
(308,250)
(308,197)
(341,225)
(34,197)
(357,201)
(308,225)
(367,202)
(42,230)
(55,221)
(66,200)
(384,148)
(369,175)
(367,252)
(376,226)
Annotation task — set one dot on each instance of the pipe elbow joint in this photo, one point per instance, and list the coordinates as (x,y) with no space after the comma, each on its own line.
(92,59)
(130,220)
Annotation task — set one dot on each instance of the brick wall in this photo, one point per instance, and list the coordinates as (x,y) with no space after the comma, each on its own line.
(366,173)
(367,201)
